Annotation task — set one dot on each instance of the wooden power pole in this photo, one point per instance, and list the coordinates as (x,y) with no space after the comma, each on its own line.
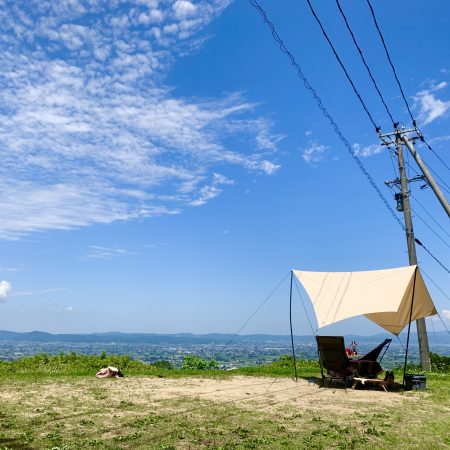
(399,138)
(420,323)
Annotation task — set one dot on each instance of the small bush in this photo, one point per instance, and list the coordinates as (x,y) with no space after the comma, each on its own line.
(194,362)
(439,363)
(163,365)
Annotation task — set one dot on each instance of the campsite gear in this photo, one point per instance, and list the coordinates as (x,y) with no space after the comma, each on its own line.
(383,296)
(373,354)
(415,382)
(377,381)
(367,366)
(392,298)
(109,372)
(333,358)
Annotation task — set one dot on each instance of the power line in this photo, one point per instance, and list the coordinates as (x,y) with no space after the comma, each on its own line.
(364,61)
(431,216)
(434,153)
(377,128)
(399,84)
(444,188)
(390,61)
(431,254)
(442,181)
(324,111)
(333,123)
(428,276)
(416,214)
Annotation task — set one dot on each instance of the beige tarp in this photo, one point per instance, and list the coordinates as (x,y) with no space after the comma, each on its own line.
(383,296)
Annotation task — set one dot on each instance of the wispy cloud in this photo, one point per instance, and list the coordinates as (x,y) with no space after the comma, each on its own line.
(92,134)
(37,292)
(106,253)
(314,153)
(5,290)
(429,106)
(209,191)
(368,150)
(9,269)
(446,314)
(61,309)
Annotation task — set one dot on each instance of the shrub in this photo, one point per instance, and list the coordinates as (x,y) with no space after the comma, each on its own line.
(195,362)
(163,365)
(439,363)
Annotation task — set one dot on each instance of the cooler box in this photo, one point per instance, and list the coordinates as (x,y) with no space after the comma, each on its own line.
(415,382)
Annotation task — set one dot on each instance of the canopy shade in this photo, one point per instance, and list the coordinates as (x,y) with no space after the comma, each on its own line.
(383,296)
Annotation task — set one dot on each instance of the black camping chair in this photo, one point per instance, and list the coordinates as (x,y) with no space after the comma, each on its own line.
(333,358)
(367,366)
(375,353)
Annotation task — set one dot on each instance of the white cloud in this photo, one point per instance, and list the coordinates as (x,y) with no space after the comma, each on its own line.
(183,9)
(428,105)
(439,139)
(314,152)
(89,132)
(38,292)
(446,314)
(212,190)
(5,290)
(61,309)
(368,150)
(106,253)
(269,168)
(8,269)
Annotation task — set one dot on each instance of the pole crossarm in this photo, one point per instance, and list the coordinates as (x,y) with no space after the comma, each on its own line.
(407,138)
(409,180)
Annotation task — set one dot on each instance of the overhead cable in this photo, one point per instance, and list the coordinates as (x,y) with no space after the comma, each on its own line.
(377,128)
(434,153)
(416,214)
(431,215)
(333,123)
(444,185)
(364,60)
(442,291)
(431,254)
(390,61)
(324,111)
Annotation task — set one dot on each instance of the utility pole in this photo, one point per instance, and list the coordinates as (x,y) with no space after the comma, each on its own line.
(398,138)
(420,323)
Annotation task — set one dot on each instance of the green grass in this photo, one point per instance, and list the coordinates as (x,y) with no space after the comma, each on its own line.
(56,403)
(74,365)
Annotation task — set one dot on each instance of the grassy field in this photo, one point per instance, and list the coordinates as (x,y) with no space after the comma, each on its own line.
(56,403)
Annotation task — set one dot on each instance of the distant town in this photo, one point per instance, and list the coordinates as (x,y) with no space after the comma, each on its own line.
(228,350)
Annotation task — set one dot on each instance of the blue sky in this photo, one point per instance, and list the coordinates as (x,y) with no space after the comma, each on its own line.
(163,168)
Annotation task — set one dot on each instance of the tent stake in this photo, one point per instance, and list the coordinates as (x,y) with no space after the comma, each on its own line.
(292,335)
(409,327)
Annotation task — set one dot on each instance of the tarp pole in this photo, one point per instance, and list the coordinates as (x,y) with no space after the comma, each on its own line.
(292,334)
(409,327)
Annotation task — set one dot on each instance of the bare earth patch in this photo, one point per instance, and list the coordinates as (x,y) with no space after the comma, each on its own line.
(252,393)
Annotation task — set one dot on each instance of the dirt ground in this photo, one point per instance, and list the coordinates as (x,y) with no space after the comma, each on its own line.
(258,393)
(252,393)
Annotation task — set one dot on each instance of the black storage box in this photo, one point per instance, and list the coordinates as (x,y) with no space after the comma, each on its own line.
(415,382)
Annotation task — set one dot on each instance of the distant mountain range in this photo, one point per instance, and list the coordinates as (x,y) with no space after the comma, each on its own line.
(441,337)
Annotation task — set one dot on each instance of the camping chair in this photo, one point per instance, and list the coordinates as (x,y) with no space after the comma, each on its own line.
(367,366)
(333,358)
